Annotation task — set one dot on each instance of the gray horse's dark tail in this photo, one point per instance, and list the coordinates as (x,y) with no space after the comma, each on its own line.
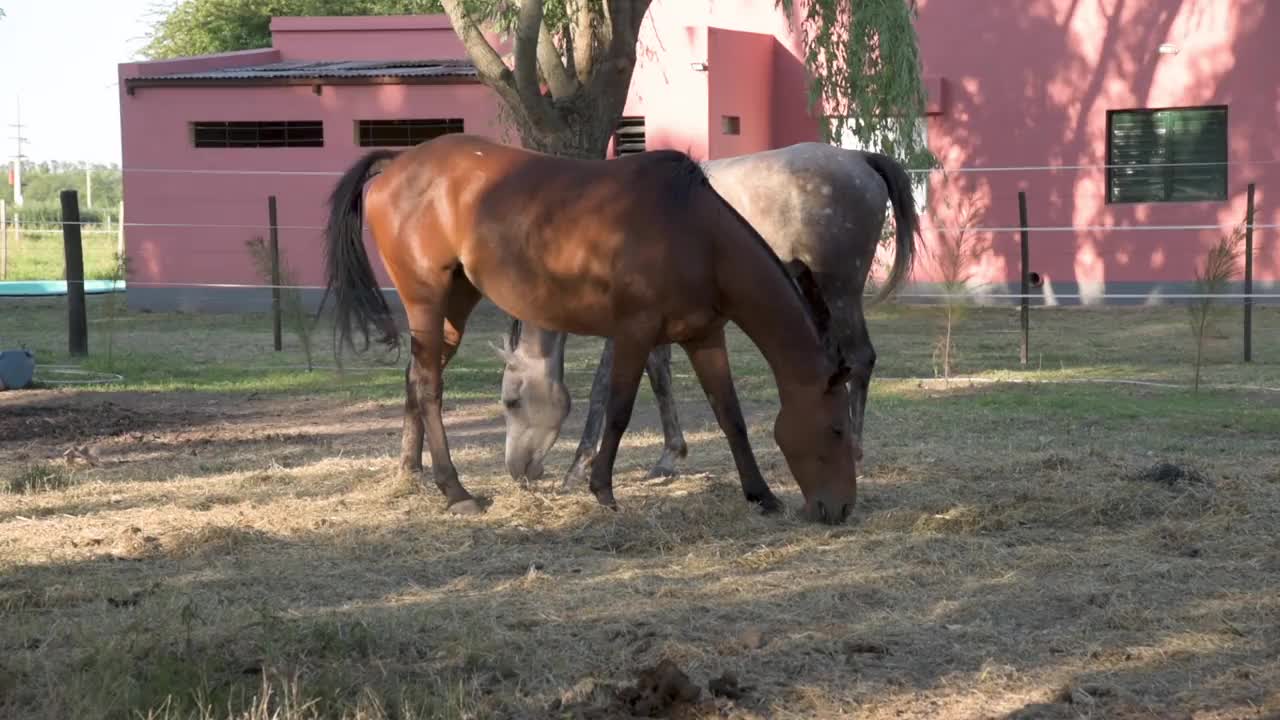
(898,180)
(357,299)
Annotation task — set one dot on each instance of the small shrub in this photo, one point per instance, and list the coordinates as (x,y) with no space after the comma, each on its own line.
(40,478)
(959,247)
(1221,266)
(291,308)
(119,272)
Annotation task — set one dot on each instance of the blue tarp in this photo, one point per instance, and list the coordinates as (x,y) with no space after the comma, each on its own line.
(37,288)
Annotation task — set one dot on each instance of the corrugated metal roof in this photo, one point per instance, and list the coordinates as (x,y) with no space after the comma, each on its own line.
(324,70)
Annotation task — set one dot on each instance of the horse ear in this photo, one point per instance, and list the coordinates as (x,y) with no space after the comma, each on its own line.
(504,352)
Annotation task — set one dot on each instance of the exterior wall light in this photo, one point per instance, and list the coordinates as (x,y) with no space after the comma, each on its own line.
(698,66)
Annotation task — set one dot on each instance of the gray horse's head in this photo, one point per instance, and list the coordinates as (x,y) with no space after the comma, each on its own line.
(535,401)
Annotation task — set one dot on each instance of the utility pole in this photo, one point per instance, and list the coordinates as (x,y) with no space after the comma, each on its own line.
(17,159)
(88,186)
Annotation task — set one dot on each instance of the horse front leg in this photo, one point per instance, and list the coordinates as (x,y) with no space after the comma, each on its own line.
(583,459)
(673,446)
(710,359)
(624,381)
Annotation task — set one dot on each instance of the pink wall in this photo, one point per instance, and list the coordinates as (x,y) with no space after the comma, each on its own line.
(741,85)
(399,37)
(666,90)
(1031,84)
(156,136)
(1026,83)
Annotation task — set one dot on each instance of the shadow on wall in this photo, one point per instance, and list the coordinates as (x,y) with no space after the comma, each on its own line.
(1078,59)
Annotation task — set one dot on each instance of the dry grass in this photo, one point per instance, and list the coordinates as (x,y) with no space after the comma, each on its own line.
(1017,552)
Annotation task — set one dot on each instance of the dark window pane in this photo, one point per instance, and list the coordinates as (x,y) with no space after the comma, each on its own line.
(404,133)
(254,134)
(1178,154)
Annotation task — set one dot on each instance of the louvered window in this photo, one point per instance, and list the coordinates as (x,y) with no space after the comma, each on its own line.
(1179,155)
(254,134)
(404,133)
(629,136)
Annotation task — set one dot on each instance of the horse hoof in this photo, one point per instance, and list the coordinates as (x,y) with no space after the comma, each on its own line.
(769,504)
(466,507)
(605,498)
(661,471)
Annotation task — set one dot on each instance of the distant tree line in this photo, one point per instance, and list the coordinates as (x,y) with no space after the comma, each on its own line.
(43,183)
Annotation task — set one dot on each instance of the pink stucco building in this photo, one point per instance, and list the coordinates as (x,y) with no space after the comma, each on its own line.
(1033,95)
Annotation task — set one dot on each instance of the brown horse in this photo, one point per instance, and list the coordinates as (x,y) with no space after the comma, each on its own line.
(641,250)
(821,209)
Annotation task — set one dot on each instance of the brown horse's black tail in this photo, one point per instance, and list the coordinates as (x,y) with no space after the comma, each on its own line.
(905,218)
(357,299)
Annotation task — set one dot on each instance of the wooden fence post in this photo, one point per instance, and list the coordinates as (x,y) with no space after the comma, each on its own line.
(1248,277)
(4,242)
(119,232)
(1025,300)
(275,274)
(73,253)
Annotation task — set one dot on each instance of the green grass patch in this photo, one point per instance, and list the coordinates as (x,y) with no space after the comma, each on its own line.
(39,255)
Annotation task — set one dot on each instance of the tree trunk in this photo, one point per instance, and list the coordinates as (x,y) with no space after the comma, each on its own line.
(583,134)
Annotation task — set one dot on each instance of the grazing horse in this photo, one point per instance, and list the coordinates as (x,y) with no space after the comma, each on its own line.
(641,250)
(821,209)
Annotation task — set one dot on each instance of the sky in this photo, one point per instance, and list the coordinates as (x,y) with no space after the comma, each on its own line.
(60,58)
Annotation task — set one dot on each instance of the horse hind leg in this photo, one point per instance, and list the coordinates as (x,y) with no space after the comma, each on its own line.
(431,348)
(848,326)
(461,300)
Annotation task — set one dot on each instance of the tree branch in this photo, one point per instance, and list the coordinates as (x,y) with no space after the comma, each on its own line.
(569,63)
(528,23)
(627,17)
(559,79)
(584,43)
(492,70)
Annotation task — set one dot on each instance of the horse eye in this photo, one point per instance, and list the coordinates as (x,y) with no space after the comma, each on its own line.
(839,431)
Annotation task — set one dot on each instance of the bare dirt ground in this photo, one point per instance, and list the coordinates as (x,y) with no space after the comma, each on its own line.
(178,553)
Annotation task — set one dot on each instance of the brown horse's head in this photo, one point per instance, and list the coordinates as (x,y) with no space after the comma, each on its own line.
(535,401)
(814,433)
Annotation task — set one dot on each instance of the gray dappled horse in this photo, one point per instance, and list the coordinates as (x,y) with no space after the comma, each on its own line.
(819,207)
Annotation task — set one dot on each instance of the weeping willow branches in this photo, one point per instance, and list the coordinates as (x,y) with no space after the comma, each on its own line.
(865,72)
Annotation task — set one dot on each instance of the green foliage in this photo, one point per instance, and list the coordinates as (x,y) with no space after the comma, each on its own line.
(43,182)
(200,27)
(50,213)
(863,58)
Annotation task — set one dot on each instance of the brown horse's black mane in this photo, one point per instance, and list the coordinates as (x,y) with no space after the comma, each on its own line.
(692,178)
